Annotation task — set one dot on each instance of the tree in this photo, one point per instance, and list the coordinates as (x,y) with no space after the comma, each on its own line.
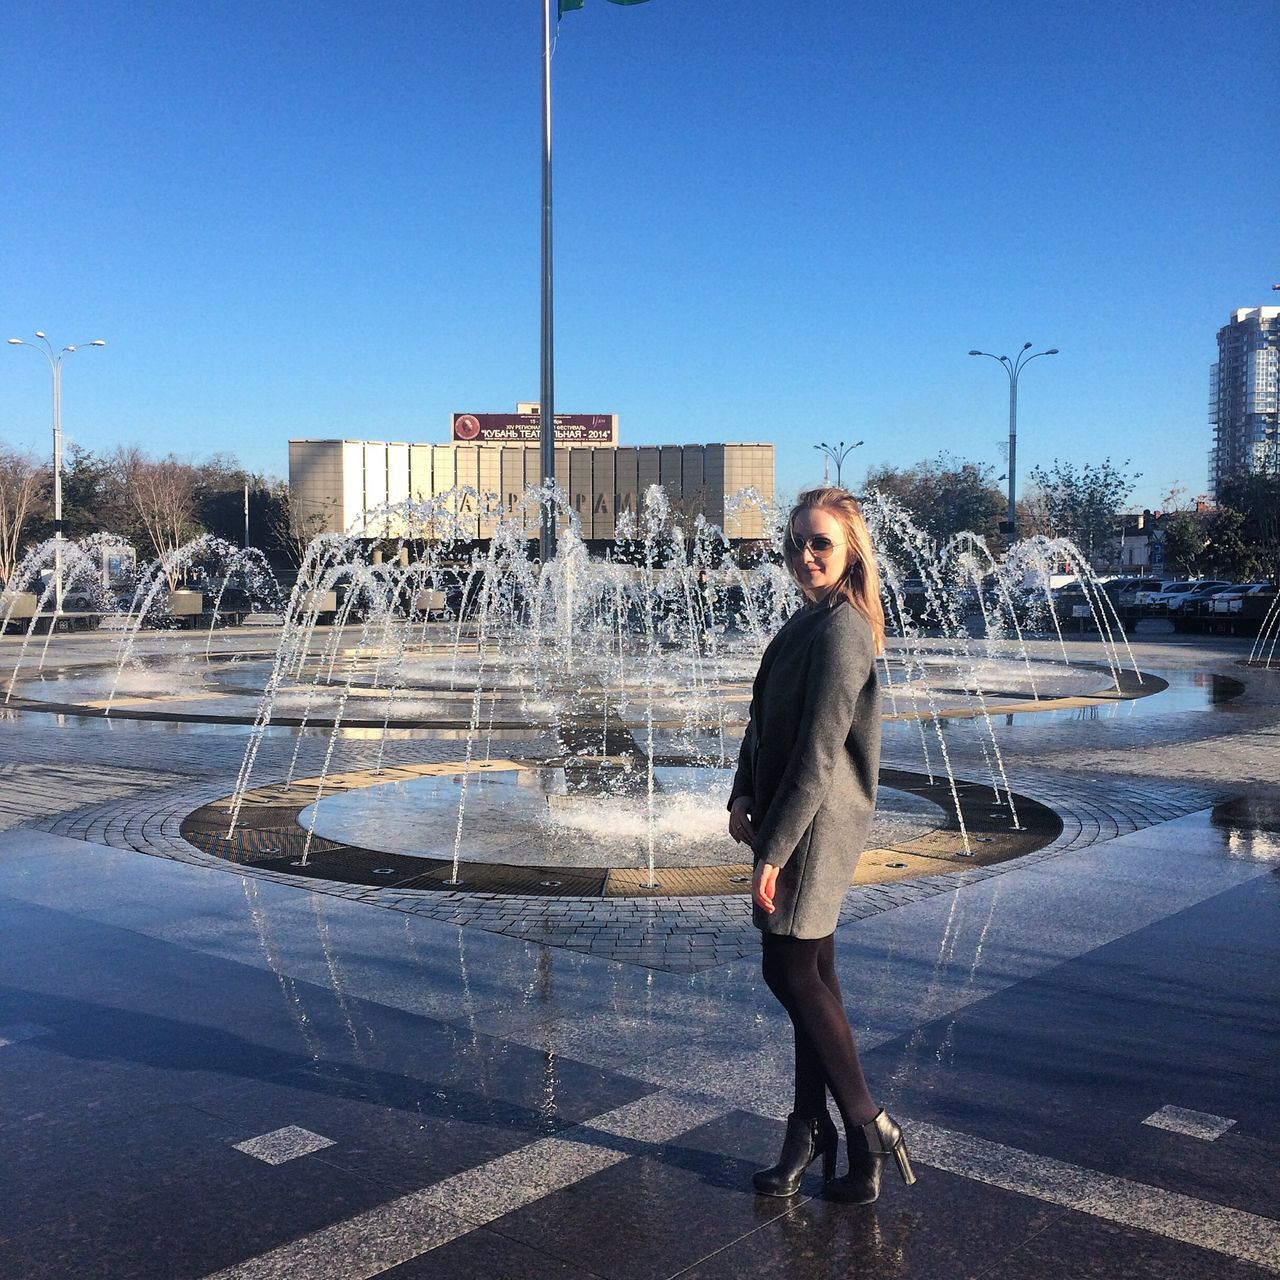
(21,482)
(1083,502)
(945,496)
(219,483)
(1185,539)
(292,530)
(84,482)
(162,497)
(1228,551)
(1034,516)
(1257,500)
(86,497)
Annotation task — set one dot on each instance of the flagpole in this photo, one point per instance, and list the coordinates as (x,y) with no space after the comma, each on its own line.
(546,394)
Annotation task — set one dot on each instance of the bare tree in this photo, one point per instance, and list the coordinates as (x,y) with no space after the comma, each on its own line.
(293,528)
(21,480)
(162,496)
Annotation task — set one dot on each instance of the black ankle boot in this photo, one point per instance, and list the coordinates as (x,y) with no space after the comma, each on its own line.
(808,1137)
(879,1140)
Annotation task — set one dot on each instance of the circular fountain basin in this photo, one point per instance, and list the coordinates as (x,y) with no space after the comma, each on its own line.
(528,831)
(534,817)
(434,689)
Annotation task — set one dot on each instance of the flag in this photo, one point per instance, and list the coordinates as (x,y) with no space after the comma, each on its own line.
(566,5)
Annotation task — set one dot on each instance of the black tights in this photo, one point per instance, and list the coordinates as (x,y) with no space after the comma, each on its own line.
(801,972)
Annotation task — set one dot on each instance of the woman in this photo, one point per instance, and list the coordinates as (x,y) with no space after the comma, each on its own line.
(802,800)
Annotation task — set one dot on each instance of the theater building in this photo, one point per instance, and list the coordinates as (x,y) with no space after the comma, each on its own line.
(338,486)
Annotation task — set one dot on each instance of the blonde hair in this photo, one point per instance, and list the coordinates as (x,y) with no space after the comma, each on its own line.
(860,585)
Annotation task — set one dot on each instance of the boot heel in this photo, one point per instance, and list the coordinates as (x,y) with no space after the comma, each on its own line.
(829,1163)
(904,1162)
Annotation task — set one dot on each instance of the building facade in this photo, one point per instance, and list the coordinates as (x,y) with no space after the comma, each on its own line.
(338,486)
(1244,396)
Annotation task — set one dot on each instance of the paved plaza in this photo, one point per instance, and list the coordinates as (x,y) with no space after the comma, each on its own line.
(213,1070)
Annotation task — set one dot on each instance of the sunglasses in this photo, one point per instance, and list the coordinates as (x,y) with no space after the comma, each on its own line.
(819,544)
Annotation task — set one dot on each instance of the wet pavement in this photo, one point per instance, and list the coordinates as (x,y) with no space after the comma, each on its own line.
(206,1072)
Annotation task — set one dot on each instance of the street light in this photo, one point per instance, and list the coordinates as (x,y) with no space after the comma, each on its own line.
(55,365)
(836,453)
(1013,368)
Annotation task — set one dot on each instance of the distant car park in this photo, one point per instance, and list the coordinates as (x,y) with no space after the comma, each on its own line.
(1235,609)
(1176,592)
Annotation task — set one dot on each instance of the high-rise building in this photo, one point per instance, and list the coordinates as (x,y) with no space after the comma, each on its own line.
(1244,396)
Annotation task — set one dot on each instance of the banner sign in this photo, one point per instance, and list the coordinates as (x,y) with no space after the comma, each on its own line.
(524,428)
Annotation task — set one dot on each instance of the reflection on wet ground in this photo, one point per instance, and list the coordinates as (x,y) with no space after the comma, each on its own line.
(1187,691)
(1250,826)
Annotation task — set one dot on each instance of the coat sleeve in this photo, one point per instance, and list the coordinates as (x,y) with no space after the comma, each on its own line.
(743,783)
(839,664)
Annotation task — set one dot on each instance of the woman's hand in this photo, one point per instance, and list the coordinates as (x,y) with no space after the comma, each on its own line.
(740,827)
(763,884)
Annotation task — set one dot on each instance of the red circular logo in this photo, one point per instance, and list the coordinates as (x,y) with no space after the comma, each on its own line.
(466,426)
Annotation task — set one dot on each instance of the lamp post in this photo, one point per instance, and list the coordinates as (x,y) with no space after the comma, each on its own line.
(836,453)
(1013,368)
(55,365)
(547,381)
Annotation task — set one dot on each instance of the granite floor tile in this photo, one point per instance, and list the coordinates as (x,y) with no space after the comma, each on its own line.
(485,1255)
(661,1210)
(618,1028)
(938,956)
(57,1175)
(1103,1041)
(1087,1249)
(229,1209)
(202,1020)
(941,1227)
(407,1132)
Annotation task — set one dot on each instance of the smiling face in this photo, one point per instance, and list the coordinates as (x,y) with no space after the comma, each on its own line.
(818,571)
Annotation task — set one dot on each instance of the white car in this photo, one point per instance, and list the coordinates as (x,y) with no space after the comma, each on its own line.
(1175,592)
(1142,596)
(1233,601)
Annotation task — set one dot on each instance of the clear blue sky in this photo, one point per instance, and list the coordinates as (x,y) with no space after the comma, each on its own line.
(782,222)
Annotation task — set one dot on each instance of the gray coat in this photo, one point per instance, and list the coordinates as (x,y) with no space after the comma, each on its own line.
(809,760)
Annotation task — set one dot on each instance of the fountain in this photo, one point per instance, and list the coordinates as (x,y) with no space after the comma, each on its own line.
(1263,652)
(627,677)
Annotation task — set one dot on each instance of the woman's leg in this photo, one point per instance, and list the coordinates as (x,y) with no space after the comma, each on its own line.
(827,966)
(811,1084)
(801,973)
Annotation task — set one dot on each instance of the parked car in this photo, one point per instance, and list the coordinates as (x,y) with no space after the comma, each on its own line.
(1075,603)
(1142,594)
(1199,591)
(1116,589)
(1128,596)
(1232,601)
(1240,610)
(1162,601)
(1192,611)
(1115,586)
